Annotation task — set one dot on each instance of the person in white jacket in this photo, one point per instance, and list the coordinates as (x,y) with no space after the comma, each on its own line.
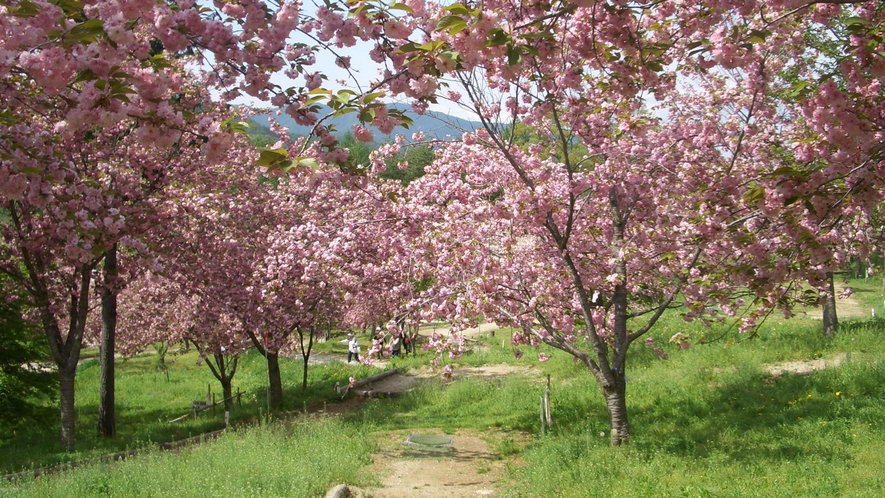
(353,348)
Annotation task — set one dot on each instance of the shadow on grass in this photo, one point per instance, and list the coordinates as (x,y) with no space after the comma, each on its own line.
(44,450)
(755,417)
(749,417)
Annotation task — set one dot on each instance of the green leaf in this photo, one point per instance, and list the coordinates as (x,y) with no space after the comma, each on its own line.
(85,75)
(514,55)
(754,194)
(369,97)
(758,35)
(810,207)
(285,165)
(25,8)
(458,9)
(8,118)
(799,89)
(531,50)
(367,116)
(406,48)
(452,24)
(87,32)
(654,66)
(310,162)
(237,126)
(344,110)
(269,157)
(856,21)
(786,171)
(403,7)
(313,100)
(497,37)
(537,35)
(157,62)
(120,87)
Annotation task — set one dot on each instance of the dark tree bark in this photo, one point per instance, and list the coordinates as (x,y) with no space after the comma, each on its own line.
(616,402)
(66,352)
(830,320)
(66,376)
(275,382)
(107,425)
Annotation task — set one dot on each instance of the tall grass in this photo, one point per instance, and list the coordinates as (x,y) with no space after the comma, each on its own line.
(297,460)
(146,400)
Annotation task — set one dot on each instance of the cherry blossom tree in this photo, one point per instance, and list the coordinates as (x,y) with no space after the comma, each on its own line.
(56,233)
(87,193)
(333,246)
(687,166)
(698,147)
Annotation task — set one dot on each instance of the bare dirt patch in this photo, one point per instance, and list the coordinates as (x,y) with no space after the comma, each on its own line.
(805,367)
(469,470)
(846,307)
(483,329)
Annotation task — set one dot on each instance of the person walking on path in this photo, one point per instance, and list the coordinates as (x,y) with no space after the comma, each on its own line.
(396,343)
(353,347)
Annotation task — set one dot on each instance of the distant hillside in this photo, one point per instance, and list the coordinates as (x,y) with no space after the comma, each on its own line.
(432,124)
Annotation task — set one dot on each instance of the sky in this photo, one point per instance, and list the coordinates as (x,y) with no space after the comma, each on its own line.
(365,70)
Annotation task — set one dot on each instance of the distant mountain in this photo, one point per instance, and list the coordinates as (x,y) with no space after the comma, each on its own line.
(432,124)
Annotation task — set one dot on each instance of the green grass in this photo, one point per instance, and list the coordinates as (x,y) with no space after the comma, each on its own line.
(710,421)
(146,400)
(298,460)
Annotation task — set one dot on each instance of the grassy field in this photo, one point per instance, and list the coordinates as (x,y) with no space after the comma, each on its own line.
(147,399)
(710,421)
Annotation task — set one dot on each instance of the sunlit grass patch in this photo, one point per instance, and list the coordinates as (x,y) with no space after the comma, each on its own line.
(293,460)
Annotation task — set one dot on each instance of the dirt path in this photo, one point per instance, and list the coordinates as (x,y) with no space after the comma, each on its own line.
(471,468)
(468,470)
(846,307)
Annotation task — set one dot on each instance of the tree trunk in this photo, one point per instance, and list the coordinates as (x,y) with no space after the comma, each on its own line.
(66,352)
(616,402)
(830,320)
(304,376)
(305,351)
(276,384)
(224,369)
(66,376)
(64,349)
(227,392)
(107,424)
